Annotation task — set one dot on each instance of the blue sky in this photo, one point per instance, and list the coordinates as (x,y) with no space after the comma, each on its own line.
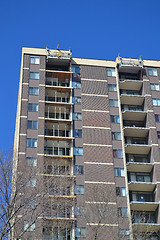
(94,29)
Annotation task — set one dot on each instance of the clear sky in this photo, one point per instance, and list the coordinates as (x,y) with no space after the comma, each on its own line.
(93,29)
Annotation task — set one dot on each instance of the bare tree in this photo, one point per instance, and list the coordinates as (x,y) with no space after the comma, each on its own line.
(99,212)
(30,199)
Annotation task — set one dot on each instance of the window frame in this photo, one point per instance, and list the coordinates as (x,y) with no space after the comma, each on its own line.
(31,161)
(112,87)
(76,116)
(156,102)
(32,124)
(117,153)
(78,169)
(116,136)
(79,190)
(76,100)
(34,58)
(152,71)
(32,107)
(76,84)
(154,87)
(113,102)
(32,91)
(34,75)
(31,142)
(111,72)
(115,119)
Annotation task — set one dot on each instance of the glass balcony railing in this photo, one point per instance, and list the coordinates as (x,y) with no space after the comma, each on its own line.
(143,217)
(130,123)
(57,83)
(141,196)
(139,177)
(57,133)
(64,170)
(135,140)
(57,151)
(57,115)
(130,92)
(57,99)
(126,107)
(139,158)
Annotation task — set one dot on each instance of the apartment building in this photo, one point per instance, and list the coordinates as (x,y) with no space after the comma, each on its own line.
(90,131)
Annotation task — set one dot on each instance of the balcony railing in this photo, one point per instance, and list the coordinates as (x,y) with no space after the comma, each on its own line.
(139,177)
(57,83)
(144,217)
(57,133)
(130,92)
(57,115)
(130,123)
(141,197)
(57,99)
(133,140)
(137,158)
(64,170)
(131,108)
(57,151)
(57,211)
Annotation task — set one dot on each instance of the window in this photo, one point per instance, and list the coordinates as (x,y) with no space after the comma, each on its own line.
(117,153)
(78,169)
(29,203)
(152,72)
(32,107)
(31,161)
(77,133)
(31,142)
(76,100)
(80,232)
(34,75)
(121,191)
(32,124)
(34,60)
(116,136)
(157,117)
(77,116)
(78,189)
(76,84)
(112,87)
(77,151)
(75,69)
(124,232)
(119,172)
(115,119)
(154,86)
(33,91)
(113,102)
(31,182)
(123,212)
(79,211)
(28,226)
(111,72)
(156,101)
(158,134)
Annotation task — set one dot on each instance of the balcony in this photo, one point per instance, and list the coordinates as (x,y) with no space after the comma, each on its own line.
(137,158)
(132,135)
(143,217)
(58,78)
(136,141)
(144,206)
(57,112)
(130,92)
(126,107)
(59,148)
(141,197)
(58,54)
(131,123)
(58,167)
(128,65)
(58,231)
(130,99)
(141,186)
